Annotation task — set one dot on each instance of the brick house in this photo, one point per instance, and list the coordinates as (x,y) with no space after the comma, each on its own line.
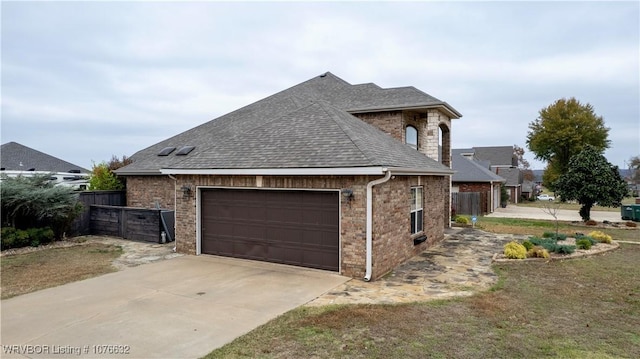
(504,162)
(473,175)
(324,174)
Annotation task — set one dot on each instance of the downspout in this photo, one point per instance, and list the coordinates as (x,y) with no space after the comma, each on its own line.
(493,195)
(369,244)
(175,209)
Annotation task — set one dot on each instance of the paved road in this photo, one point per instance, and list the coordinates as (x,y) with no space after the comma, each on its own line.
(178,308)
(563,215)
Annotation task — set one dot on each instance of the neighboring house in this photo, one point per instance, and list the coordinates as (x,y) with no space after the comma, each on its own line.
(17,159)
(504,162)
(324,174)
(472,175)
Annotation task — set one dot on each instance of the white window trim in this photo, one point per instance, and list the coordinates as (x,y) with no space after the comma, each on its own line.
(420,209)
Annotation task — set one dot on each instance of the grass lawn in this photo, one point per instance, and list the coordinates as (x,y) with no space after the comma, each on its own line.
(536,227)
(25,273)
(580,308)
(583,308)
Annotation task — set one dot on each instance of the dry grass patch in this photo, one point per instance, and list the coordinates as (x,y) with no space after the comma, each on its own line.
(29,272)
(583,308)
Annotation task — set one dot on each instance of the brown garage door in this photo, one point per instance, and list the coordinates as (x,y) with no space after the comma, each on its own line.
(292,227)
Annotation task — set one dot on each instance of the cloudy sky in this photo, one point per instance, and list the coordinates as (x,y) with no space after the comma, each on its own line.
(83,81)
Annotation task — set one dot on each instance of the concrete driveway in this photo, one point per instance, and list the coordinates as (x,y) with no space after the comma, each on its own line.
(563,214)
(178,308)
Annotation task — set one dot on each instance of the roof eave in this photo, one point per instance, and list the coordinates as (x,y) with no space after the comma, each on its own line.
(317,171)
(448,110)
(138,172)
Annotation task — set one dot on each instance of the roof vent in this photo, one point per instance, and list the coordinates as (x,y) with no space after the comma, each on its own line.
(31,169)
(184,150)
(166,151)
(324,74)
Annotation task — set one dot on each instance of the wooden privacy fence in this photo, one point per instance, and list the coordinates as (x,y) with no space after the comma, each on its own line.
(81,225)
(470,203)
(132,223)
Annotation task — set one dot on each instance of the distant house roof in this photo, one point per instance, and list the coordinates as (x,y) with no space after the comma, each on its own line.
(309,125)
(512,175)
(499,156)
(17,157)
(468,170)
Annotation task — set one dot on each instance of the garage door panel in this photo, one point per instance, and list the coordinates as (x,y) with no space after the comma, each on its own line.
(292,227)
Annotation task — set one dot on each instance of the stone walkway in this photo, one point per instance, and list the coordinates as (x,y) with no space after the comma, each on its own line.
(459,266)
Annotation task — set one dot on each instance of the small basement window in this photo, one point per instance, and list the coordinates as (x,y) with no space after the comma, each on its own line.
(185,150)
(166,151)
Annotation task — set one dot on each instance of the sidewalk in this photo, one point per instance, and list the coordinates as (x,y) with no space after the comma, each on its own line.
(563,214)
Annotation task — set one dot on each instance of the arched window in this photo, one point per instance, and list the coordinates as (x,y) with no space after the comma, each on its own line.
(411,136)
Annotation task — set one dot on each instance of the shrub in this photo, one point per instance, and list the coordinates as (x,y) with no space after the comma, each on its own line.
(528,245)
(591,222)
(583,243)
(600,236)
(463,220)
(17,238)
(515,250)
(537,252)
(547,243)
(583,237)
(565,249)
(631,224)
(558,237)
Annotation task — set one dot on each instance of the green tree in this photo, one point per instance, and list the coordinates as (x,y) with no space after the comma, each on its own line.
(29,202)
(634,166)
(561,131)
(103,179)
(591,179)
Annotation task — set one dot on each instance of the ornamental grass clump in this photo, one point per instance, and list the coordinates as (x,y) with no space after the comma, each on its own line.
(463,220)
(600,236)
(583,243)
(515,250)
(537,252)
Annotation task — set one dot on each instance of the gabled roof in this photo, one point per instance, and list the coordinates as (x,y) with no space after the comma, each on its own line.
(17,157)
(306,126)
(468,170)
(497,155)
(512,175)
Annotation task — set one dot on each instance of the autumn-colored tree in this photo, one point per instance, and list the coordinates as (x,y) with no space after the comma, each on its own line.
(523,164)
(103,177)
(561,131)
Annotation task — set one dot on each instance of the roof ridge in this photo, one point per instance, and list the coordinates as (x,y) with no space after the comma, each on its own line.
(324,105)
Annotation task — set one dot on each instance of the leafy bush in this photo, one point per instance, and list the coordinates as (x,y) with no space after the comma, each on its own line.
(581,236)
(600,236)
(17,238)
(515,250)
(559,237)
(528,245)
(463,220)
(583,243)
(565,249)
(547,243)
(537,252)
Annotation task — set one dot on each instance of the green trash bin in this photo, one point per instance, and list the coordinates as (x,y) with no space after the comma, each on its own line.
(626,211)
(630,212)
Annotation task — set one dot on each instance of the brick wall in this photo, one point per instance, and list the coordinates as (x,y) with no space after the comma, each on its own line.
(146,191)
(474,187)
(388,121)
(392,240)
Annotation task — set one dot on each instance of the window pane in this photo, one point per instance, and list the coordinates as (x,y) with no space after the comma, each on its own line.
(418,198)
(411,136)
(418,222)
(413,222)
(413,199)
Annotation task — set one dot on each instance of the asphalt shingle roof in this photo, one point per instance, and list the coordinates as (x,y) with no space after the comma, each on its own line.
(468,170)
(305,126)
(497,155)
(17,157)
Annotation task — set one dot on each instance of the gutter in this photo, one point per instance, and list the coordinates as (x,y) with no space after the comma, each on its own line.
(175,210)
(369,243)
